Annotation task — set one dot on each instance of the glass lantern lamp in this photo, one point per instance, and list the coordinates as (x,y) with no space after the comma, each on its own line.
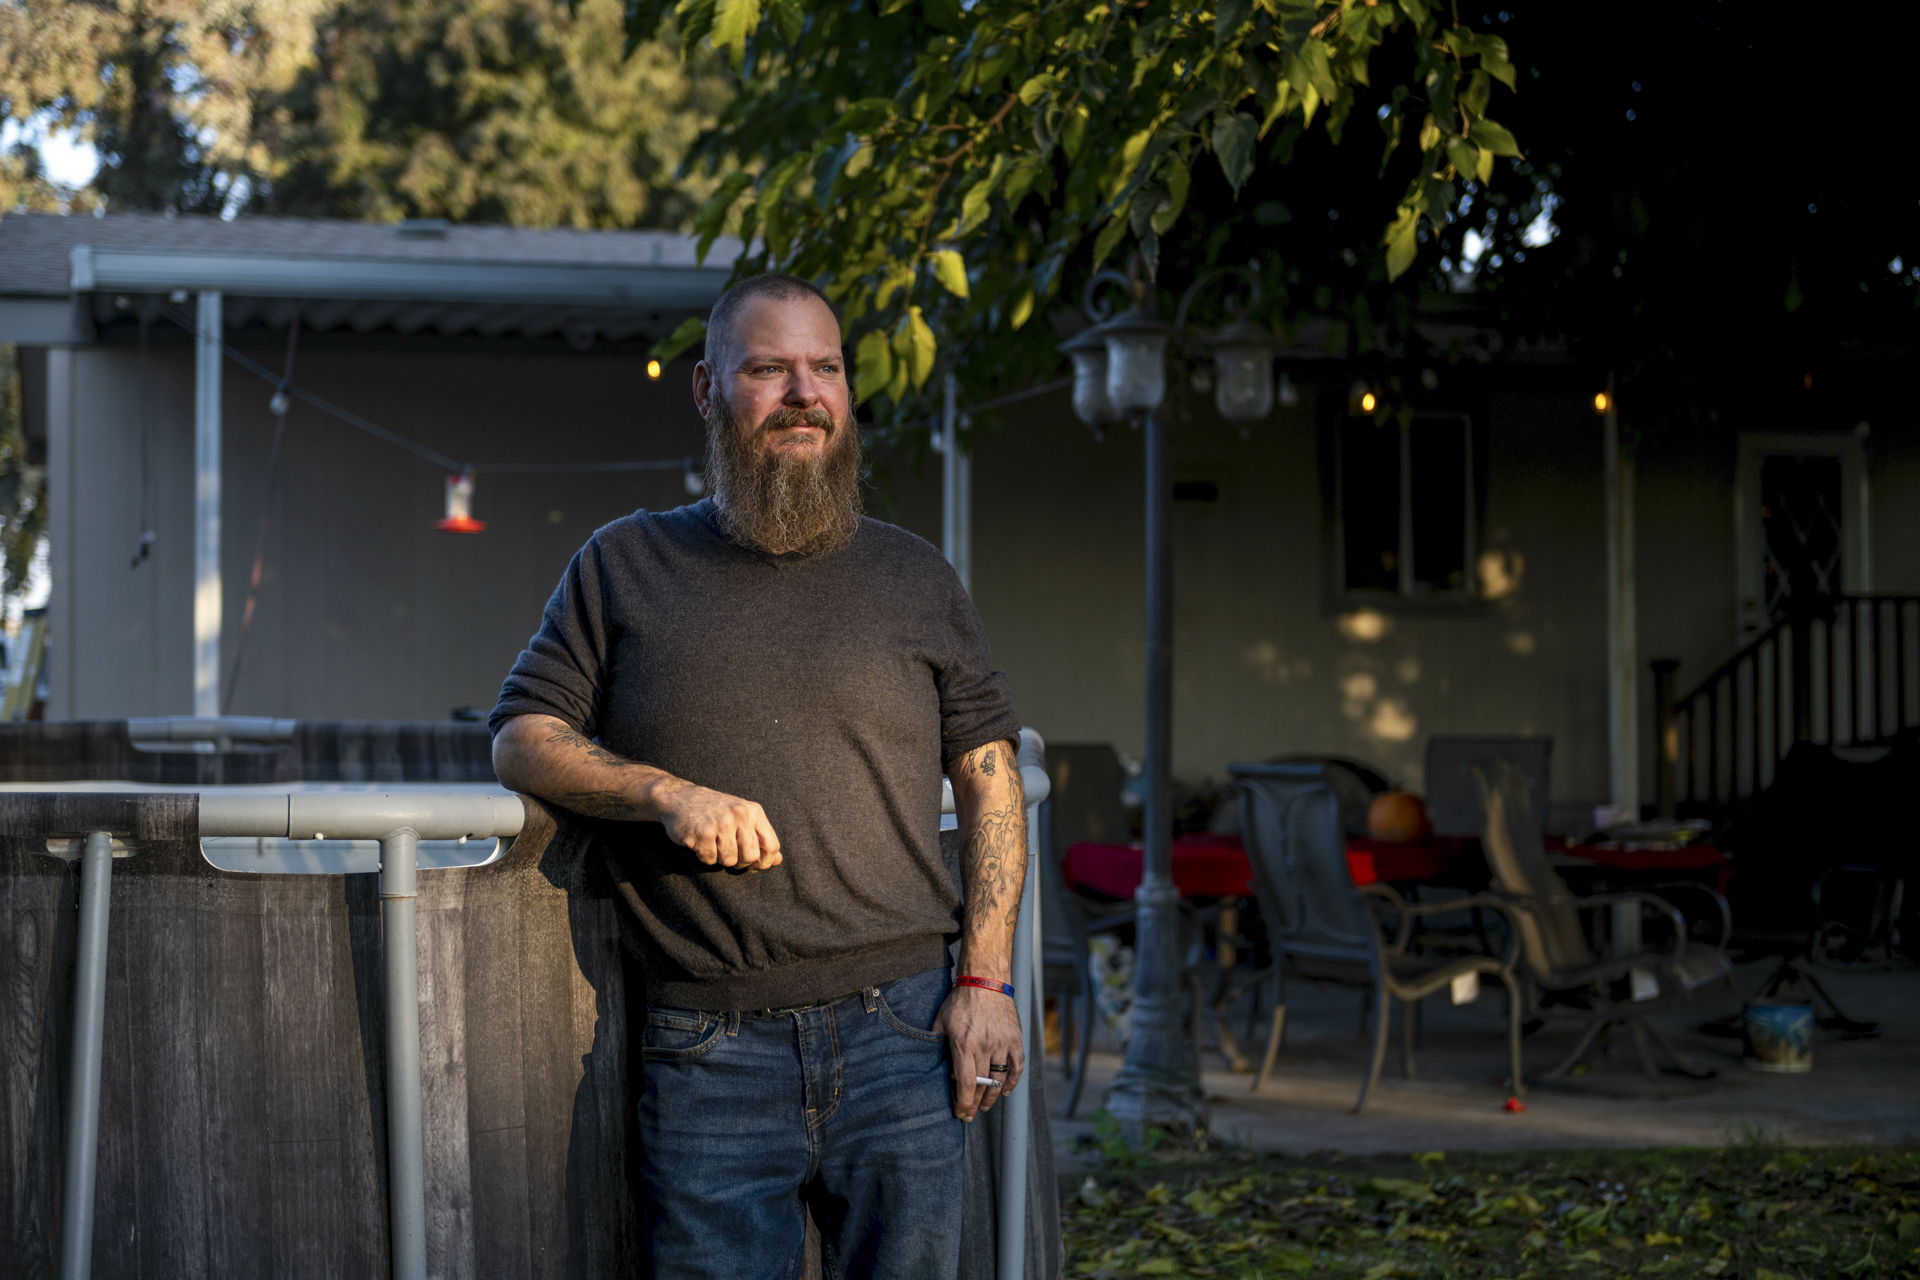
(1243,367)
(1136,361)
(1088,352)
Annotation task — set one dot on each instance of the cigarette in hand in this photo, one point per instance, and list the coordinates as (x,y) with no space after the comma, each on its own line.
(988,1081)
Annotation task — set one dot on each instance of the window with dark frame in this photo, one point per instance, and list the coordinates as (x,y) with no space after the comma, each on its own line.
(1406,505)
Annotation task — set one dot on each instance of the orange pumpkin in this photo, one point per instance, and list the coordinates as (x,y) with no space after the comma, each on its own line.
(1398,817)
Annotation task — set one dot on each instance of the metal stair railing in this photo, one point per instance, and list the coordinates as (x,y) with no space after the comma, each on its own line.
(1850,677)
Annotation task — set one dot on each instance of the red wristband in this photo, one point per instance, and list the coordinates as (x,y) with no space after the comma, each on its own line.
(1004,988)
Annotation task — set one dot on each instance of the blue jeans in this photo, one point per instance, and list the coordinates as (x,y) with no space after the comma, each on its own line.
(748,1121)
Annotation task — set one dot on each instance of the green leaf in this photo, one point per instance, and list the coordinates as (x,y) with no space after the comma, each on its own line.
(1234,134)
(1483,169)
(921,348)
(788,18)
(1179,181)
(1228,17)
(696,20)
(950,269)
(1489,136)
(1463,157)
(863,115)
(872,364)
(691,330)
(712,218)
(774,185)
(1319,69)
(1022,310)
(733,22)
(1402,241)
(1108,238)
(1022,175)
(1037,88)
(975,206)
(1500,69)
(896,279)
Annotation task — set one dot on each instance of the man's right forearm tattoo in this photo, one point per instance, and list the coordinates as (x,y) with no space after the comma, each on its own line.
(569,738)
(600,804)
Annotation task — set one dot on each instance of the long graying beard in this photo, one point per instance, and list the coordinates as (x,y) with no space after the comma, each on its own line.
(782,504)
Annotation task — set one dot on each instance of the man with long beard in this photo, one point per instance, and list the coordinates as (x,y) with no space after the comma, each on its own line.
(768,686)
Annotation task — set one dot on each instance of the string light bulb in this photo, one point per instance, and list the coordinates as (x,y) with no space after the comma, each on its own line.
(1602,402)
(653,370)
(1368,402)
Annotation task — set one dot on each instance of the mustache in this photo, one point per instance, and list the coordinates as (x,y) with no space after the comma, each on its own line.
(786,417)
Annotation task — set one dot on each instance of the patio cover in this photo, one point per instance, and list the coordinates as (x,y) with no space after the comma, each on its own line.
(62,277)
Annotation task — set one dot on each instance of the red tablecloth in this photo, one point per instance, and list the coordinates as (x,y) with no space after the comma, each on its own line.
(1207,866)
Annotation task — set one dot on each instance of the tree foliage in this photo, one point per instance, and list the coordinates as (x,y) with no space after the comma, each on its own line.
(946,170)
(526,112)
(1725,272)
(180,97)
(530,112)
(23,486)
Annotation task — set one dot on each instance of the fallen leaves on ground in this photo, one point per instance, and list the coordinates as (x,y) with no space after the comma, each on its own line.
(1740,1213)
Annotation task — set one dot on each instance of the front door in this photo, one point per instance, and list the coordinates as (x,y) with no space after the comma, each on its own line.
(1801,504)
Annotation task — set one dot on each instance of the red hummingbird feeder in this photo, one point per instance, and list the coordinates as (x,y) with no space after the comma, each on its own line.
(459,518)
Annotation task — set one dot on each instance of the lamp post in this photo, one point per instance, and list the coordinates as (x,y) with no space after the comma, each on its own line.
(1120,371)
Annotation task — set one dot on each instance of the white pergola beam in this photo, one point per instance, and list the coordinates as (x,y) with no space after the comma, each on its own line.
(611,284)
(206,506)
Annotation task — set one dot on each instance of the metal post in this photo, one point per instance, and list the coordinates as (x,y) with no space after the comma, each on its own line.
(1623,664)
(956,489)
(406,1154)
(1159,1084)
(206,507)
(1016,1126)
(83,1089)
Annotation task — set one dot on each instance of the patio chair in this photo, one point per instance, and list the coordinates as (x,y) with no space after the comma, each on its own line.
(1066,961)
(1323,927)
(1556,957)
(1453,790)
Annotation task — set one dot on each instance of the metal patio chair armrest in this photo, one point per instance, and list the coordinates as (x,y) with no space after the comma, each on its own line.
(1391,896)
(1411,911)
(1719,902)
(1623,896)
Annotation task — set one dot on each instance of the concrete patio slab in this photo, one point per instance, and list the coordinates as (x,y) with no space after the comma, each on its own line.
(1865,1091)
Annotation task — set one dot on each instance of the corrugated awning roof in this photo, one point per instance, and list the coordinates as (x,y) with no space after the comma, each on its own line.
(363,277)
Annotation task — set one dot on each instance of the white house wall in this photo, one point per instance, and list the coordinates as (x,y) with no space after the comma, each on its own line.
(365,610)
(1267,661)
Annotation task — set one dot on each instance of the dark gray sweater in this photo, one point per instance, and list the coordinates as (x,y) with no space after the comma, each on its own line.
(832,689)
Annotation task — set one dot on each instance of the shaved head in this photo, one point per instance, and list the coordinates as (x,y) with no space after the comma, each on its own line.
(721,321)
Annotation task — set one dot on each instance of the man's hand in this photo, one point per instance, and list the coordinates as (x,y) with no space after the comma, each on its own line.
(546,757)
(722,830)
(983,1039)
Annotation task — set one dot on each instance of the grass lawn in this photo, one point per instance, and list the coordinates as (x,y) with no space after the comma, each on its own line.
(1744,1212)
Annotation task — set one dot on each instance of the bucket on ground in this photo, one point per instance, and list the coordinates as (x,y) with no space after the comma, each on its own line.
(1779,1035)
